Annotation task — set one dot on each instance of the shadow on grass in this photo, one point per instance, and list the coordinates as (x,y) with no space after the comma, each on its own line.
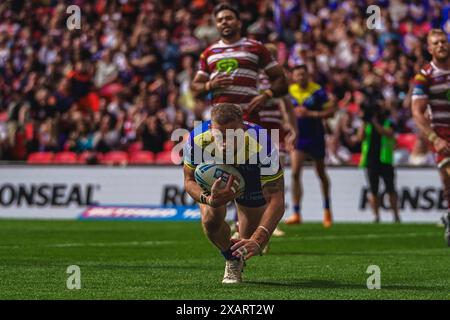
(150,267)
(358,254)
(330,284)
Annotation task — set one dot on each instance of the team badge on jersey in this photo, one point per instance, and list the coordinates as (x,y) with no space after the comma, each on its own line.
(227,65)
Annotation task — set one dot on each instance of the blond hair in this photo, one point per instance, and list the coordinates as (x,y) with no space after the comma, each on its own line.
(223,113)
(435,32)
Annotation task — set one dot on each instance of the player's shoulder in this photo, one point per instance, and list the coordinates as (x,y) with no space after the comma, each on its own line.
(253,126)
(210,49)
(253,42)
(258,133)
(293,87)
(314,86)
(200,134)
(425,72)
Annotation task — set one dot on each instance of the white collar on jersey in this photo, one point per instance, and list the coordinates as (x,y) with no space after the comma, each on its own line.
(439,69)
(223,44)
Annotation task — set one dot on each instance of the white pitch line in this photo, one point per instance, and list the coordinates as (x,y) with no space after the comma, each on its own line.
(282,239)
(9,246)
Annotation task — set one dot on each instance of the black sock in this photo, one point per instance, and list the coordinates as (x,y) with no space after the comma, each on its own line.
(228,255)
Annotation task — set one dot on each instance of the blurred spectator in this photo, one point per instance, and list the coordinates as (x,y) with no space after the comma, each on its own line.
(345,140)
(44,138)
(107,137)
(134,60)
(153,135)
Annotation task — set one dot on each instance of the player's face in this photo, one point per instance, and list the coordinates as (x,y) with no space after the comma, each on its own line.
(227,24)
(438,47)
(222,133)
(300,76)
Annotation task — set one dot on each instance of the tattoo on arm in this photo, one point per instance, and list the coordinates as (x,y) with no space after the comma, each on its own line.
(273,187)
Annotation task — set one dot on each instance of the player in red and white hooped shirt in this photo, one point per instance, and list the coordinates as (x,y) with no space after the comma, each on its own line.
(431,94)
(229,68)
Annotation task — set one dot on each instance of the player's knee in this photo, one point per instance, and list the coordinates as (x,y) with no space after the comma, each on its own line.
(372,195)
(323,176)
(295,175)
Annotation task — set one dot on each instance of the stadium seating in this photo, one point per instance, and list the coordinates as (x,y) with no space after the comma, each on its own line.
(134,147)
(141,157)
(89,157)
(40,158)
(406,141)
(168,145)
(115,158)
(66,157)
(164,158)
(356,157)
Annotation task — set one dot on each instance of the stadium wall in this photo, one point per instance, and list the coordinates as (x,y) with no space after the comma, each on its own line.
(72,192)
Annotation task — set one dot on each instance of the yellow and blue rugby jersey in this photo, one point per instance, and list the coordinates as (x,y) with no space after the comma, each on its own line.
(258,159)
(314,98)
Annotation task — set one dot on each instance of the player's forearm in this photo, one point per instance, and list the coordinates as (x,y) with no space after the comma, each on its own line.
(422,123)
(289,115)
(193,189)
(273,213)
(198,87)
(279,86)
(274,194)
(383,131)
(328,112)
(419,106)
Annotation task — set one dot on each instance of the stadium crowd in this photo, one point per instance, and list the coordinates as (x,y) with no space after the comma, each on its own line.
(124,78)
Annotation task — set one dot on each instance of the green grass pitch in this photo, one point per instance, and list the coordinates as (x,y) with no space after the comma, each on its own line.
(173,260)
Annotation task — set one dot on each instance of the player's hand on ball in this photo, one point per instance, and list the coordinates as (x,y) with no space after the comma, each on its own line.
(246,248)
(442,146)
(221,196)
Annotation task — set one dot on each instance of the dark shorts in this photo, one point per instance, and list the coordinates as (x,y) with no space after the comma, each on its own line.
(313,147)
(384,171)
(253,196)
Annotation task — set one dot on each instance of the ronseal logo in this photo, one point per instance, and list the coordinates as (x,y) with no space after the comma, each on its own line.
(174,195)
(429,199)
(47,195)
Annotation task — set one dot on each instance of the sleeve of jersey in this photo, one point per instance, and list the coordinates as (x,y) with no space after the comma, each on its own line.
(203,65)
(420,90)
(271,169)
(324,99)
(266,59)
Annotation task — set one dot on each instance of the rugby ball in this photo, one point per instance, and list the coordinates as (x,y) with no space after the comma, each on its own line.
(207,174)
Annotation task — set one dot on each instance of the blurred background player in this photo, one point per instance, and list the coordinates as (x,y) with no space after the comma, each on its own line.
(431,106)
(229,68)
(311,106)
(377,152)
(261,206)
